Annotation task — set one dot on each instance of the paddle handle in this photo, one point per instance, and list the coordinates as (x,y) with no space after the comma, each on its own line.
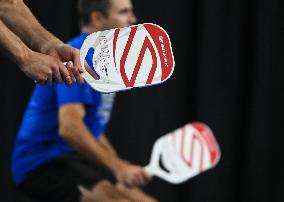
(149,171)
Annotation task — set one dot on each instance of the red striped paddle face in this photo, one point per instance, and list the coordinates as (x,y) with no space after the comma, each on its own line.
(184,153)
(125,58)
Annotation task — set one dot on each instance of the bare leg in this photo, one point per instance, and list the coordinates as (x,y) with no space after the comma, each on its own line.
(135,194)
(102,191)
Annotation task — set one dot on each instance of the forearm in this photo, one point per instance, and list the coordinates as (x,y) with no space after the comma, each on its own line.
(11,45)
(17,16)
(81,139)
(105,142)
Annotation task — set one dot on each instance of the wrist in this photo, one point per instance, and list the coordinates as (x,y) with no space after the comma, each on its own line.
(22,57)
(117,166)
(50,45)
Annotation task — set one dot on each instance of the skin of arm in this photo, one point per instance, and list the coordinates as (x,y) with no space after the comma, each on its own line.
(106,143)
(74,131)
(15,48)
(35,65)
(19,19)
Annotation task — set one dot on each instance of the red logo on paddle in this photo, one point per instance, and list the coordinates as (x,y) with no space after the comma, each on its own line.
(202,137)
(158,44)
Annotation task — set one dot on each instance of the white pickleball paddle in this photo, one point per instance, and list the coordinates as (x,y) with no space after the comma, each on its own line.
(184,153)
(129,57)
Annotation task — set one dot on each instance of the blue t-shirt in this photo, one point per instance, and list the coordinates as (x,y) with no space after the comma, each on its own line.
(38,140)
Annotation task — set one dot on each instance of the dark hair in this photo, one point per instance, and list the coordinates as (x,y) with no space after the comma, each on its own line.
(86,7)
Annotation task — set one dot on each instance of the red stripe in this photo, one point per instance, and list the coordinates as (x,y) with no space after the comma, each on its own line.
(156,32)
(192,149)
(195,138)
(124,56)
(154,57)
(208,137)
(201,153)
(182,147)
(146,44)
(116,32)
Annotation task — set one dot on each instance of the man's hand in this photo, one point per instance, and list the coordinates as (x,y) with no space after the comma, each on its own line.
(65,53)
(131,175)
(20,30)
(43,68)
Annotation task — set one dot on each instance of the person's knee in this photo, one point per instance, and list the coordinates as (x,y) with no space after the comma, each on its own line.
(102,186)
(86,195)
(102,191)
(135,194)
(96,192)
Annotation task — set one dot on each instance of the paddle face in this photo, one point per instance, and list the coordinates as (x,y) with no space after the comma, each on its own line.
(129,57)
(184,153)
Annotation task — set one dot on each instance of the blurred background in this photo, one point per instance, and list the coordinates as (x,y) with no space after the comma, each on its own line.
(228,74)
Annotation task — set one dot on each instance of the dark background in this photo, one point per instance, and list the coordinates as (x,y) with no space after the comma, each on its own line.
(229,74)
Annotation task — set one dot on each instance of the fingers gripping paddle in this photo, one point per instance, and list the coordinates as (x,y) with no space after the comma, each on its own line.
(184,153)
(125,58)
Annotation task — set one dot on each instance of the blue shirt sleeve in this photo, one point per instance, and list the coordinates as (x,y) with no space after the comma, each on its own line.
(72,94)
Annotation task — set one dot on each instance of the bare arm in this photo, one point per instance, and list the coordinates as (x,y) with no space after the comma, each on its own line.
(19,19)
(37,66)
(14,48)
(105,142)
(74,131)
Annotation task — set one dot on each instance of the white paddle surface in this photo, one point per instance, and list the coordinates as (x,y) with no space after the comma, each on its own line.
(129,57)
(184,153)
